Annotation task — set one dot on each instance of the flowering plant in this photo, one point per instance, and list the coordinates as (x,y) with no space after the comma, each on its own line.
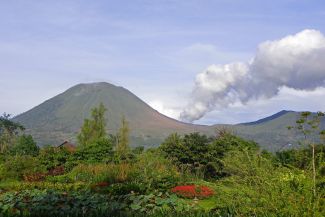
(192,191)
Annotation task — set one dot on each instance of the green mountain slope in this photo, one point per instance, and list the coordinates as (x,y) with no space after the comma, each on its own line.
(60,118)
(272,132)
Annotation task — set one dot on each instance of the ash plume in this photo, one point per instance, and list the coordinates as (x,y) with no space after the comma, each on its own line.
(295,61)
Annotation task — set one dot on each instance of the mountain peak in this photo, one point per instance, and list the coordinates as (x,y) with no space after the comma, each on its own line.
(60,118)
(95,85)
(269,118)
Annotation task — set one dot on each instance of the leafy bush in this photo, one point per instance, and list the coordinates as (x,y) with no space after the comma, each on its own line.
(127,188)
(16,167)
(301,158)
(258,187)
(24,145)
(156,171)
(52,157)
(200,153)
(98,151)
(157,202)
(43,202)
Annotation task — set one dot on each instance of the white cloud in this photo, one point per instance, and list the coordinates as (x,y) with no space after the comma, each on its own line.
(287,99)
(160,107)
(295,61)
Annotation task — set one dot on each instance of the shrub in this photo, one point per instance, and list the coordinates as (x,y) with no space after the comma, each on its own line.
(16,167)
(24,145)
(52,157)
(98,151)
(198,152)
(127,188)
(156,171)
(257,187)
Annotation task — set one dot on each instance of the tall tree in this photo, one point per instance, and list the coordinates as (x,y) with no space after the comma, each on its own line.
(8,132)
(122,148)
(94,128)
(309,125)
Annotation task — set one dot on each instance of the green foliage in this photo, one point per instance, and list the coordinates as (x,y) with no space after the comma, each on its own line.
(156,172)
(156,202)
(203,153)
(93,129)
(138,150)
(122,147)
(127,188)
(301,158)
(245,181)
(43,202)
(189,149)
(8,132)
(257,187)
(94,173)
(95,152)
(52,157)
(11,185)
(309,124)
(16,167)
(24,145)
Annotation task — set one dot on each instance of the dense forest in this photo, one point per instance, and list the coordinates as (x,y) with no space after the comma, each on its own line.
(187,175)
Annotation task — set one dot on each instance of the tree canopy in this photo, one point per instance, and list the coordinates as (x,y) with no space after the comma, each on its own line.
(94,128)
(8,132)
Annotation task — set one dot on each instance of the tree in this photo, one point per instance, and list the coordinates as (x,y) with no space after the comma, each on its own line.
(308,125)
(202,153)
(95,128)
(25,145)
(8,132)
(122,147)
(98,151)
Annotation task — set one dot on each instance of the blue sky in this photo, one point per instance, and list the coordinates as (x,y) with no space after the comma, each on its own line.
(154,48)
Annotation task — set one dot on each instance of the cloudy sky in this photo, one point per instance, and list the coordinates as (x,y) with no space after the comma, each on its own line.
(206,61)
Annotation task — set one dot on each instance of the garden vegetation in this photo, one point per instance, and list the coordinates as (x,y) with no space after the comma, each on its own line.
(187,175)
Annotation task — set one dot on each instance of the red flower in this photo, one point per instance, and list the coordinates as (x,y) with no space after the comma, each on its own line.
(192,191)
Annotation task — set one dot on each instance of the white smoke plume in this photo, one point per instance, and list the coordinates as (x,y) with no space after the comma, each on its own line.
(295,61)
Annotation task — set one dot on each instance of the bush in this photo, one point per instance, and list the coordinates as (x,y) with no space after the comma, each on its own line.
(156,171)
(202,154)
(25,145)
(99,151)
(16,167)
(257,187)
(127,188)
(53,157)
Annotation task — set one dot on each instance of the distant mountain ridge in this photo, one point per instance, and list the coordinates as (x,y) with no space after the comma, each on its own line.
(266,119)
(60,118)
